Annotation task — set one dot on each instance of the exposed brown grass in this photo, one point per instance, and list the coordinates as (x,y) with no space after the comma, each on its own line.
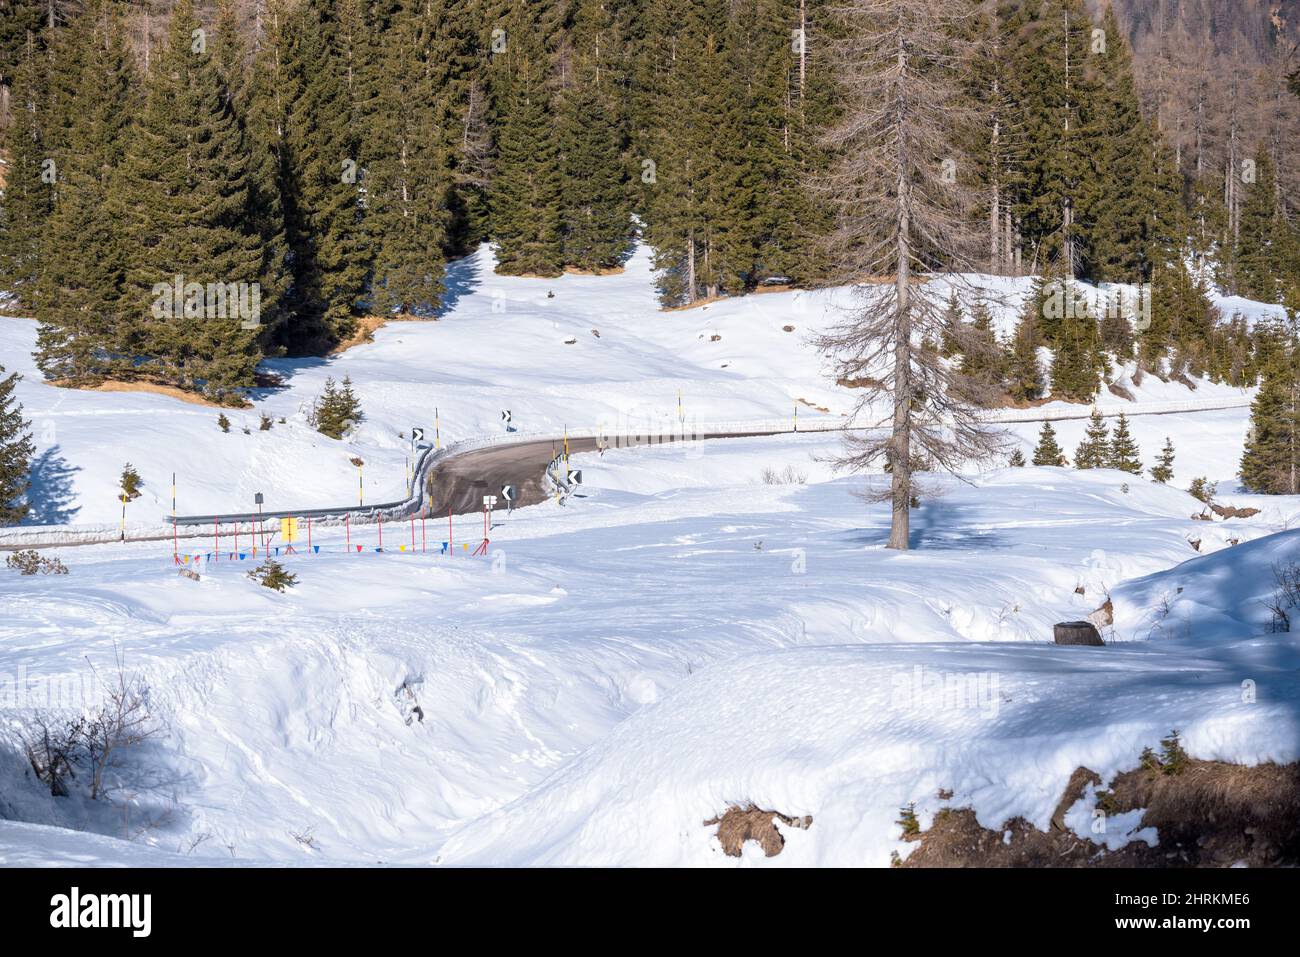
(607,271)
(171,391)
(1208,814)
(367,326)
(750,823)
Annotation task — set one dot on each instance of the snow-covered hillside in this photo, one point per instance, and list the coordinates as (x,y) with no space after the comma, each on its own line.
(600,352)
(623,668)
(705,624)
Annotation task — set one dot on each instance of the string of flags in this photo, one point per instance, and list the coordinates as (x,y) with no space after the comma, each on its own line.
(288,532)
(444,548)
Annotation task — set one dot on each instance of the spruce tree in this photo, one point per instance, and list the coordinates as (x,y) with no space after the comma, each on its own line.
(1048,452)
(251,86)
(1026,372)
(1094,450)
(1122,452)
(79,288)
(16,451)
(28,196)
(527,189)
(1272,455)
(1163,471)
(1078,360)
(320,189)
(984,365)
(183,197)
(1125,234)
(685,183)
(1266,241)
(595,220)
(408,181)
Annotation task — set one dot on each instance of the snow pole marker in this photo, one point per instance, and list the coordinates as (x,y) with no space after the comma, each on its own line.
(412,533)
(216,547)
(176,557)
(309,549)
(437,429)
(381,531)
(347,530)
(424,538)
(451,542)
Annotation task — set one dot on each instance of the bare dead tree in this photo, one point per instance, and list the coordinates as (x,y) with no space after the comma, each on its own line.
(902,210)
(123,722)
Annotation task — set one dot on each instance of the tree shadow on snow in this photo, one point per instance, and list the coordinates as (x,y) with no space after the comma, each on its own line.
(462,278)
(51,495)
(937,523)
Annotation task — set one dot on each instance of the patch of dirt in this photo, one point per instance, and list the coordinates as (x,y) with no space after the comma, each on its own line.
(1209,814)
(607,271)
(698,303)
(367,326)
(741,824)
(1229,511)
(864,383)
(819,408)
(1120,391)
(171,391)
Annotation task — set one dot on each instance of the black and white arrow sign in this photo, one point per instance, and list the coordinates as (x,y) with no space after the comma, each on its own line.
(505,415)
(417,435)
(575,476)
(508,493)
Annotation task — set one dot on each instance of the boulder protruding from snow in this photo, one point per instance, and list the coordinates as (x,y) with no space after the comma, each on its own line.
(1076,633)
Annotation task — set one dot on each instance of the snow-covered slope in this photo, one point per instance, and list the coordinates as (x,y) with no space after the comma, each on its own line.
(635,661)
(599,352)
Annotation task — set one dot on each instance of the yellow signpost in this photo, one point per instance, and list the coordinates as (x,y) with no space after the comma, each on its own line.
(288,530)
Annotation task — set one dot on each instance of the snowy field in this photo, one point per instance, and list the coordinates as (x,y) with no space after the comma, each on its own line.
(622,669)
(501,344)
(682,636)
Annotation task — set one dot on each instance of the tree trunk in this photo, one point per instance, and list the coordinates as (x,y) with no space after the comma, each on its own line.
(900,454)
(690,267)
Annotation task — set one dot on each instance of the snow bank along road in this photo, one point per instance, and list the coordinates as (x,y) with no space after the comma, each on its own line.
(456,478)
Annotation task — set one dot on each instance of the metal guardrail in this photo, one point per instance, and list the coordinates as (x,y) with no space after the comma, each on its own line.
(652,433)
(648,434)
(430,458)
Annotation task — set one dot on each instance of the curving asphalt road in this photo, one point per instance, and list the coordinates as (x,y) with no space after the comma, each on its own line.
(458,482)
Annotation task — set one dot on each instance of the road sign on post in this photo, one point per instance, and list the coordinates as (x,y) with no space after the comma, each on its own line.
(575,476)
(417,435)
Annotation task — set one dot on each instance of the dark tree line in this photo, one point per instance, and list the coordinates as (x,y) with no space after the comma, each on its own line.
(336,154)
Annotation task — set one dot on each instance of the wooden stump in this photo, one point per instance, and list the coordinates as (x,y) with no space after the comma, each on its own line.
(1076,633)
